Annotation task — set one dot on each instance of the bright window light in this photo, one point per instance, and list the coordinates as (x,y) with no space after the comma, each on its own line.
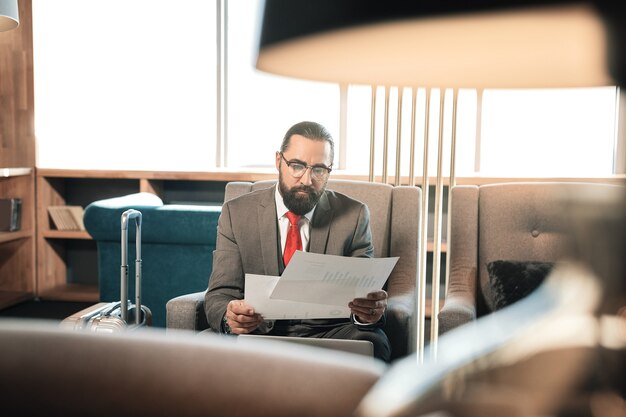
(261,107)
(125,84)
(359,116)
(557,132)
(523,133)
(144,97)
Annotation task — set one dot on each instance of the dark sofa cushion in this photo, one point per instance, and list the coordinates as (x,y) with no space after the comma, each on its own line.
(511,281)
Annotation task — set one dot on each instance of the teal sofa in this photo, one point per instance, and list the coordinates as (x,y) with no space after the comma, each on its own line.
(177,248)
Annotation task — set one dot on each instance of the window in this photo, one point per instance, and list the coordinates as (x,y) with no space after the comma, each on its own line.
(524,133)
(359,116)
(125,84)
(559,132)
(131,85)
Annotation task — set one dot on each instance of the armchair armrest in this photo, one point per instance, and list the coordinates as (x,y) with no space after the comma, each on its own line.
(398,324)
(456,312)
(187,312)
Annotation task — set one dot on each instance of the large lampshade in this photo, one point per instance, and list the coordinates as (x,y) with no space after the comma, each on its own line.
(9,17)
(496,44)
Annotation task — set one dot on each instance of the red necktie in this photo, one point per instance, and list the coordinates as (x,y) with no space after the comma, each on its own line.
(294,242)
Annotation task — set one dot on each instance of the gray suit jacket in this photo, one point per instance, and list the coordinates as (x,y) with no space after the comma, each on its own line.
(248,242)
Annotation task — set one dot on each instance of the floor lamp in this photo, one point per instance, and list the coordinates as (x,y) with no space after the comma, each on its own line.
(434,44)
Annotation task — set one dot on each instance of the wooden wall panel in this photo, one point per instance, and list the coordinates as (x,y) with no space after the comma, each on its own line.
(17,129)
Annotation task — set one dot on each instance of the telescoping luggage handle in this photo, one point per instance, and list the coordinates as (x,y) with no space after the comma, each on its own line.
(126,216)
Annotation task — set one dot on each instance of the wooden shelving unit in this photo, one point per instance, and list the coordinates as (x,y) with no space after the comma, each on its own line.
(17,249)
(57,278)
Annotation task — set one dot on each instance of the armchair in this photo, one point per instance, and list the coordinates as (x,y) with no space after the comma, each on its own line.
(395,214)
(521,222)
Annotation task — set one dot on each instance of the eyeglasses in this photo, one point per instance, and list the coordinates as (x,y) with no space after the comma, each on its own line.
(297,169)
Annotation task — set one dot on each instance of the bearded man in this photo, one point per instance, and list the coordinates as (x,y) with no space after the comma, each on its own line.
(252,238)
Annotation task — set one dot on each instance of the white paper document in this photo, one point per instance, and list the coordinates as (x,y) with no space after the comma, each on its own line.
(258,290)
(316,286)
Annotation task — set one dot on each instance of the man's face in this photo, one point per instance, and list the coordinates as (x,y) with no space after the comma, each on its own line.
(301,194)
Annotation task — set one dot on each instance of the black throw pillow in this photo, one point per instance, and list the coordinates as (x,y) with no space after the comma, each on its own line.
(511,281)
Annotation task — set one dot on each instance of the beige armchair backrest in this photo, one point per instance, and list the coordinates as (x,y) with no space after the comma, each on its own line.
(508,221)
(395,223)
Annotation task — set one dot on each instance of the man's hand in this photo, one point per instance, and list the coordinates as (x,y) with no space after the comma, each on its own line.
(371,308)
(241,318)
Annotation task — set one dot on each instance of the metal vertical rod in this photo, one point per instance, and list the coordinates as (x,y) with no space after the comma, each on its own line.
(455,102)
(372,133)
(218,86)
(434,328)
(386,136)
(399,139)
(222,84)
(618,162)
(343,125)
(412,152)
(414,316)
(225,88)
(620,149)
(452,182)
(479,118)
(423,246)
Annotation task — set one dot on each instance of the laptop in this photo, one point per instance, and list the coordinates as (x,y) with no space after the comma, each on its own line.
(361,347)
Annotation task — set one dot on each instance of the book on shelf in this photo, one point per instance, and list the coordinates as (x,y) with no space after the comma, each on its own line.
(10,214)
(67,217)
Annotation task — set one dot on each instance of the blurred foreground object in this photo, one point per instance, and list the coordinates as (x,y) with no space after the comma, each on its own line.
(559,352)
(454,43)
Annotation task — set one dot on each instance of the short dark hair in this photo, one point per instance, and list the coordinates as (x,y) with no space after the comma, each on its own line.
(310,130)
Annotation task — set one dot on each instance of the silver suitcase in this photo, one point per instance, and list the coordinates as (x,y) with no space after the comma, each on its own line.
(117,315)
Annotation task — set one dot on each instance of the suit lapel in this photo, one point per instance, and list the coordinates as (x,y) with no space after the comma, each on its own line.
(320,225)
(266,217)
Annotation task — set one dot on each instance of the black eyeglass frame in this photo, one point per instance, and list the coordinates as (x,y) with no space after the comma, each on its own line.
(328,169)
